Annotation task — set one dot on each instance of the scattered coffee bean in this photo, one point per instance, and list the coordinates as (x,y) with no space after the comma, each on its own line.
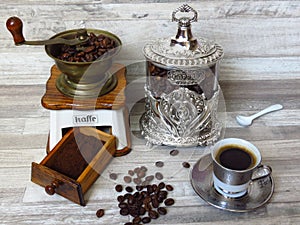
(159,164)
(143,168)
(119,188)
(153,214)
(141,174)
(123,205)
(149,178)
(124,211)
(148,206)
(137,170)
(146,219)
(169,201)
(131,172)
(142,211)
(149,189)
(174,152)
(113,176)
(120,198)
(136,220)
(161,185)
(186,165)
(162,210)
(137,180)
(129,189)
(155,202)
(162,195)
(100,213)
(154,186)
(127,179)
(159,176)
(169,187)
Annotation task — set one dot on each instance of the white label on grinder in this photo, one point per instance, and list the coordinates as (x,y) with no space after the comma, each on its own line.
(85,119)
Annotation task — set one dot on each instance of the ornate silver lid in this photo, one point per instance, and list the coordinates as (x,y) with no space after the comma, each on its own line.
(183,50)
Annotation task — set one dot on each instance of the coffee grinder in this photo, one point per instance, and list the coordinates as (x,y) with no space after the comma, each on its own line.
(82,93)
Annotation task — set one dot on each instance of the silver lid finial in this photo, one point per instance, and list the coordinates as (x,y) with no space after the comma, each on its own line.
(184,35)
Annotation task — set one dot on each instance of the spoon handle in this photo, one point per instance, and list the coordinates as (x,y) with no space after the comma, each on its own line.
(271,108)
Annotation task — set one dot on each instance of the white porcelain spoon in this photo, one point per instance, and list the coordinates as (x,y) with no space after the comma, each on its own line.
(247,120)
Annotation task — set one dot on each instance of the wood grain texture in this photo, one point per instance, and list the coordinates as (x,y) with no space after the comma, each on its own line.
(260,67)
(53,99)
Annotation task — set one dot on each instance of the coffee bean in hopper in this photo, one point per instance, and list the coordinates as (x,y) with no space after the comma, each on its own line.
(96,48)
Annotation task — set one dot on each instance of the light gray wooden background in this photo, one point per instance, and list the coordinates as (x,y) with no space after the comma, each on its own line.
(261,40)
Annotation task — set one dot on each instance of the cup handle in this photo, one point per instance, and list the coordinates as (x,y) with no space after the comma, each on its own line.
(261,172)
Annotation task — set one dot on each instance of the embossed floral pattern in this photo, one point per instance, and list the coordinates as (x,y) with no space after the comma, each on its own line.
(181,110)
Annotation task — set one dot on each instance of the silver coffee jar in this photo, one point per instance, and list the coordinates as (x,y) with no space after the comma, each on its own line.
(182,88)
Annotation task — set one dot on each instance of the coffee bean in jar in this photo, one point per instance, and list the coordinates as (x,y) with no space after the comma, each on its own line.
(159,83)
(157,79)
(97,47)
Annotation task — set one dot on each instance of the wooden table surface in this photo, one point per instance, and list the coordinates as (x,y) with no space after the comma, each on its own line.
(261,41)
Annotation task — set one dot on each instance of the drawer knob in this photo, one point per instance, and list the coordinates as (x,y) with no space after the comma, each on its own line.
(50,189)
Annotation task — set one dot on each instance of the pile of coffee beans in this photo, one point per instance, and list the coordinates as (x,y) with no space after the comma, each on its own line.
(144,197)
(97,46)
(146,203)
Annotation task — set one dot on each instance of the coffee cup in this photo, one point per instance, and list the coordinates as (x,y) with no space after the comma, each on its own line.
(236,163)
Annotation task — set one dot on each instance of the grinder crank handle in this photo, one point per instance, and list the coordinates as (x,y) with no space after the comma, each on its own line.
(15,26)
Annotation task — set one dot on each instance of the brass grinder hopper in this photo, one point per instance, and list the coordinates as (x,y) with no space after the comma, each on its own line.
(85,78)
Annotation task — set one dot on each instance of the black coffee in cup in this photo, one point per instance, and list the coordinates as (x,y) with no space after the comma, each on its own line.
(235,157)
(234,162)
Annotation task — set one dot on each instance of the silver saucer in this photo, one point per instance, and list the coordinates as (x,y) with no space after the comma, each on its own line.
(259,192)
